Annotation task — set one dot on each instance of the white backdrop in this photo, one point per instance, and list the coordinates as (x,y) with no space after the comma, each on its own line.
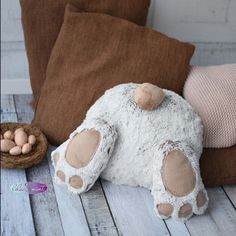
(209,24)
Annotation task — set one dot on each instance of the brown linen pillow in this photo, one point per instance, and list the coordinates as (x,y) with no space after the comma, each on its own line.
(42,20)
(95,52)
(218,166)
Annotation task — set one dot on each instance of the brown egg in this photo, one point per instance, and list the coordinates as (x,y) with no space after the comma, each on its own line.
(19,129)
(8,135)
(6,145)
(15,151)
(31,139)
(26,148)
(21,138)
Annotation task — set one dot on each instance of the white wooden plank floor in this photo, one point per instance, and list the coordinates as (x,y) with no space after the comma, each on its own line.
(106,209)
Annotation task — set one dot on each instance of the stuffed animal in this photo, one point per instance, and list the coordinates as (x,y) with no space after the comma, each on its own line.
(139,135)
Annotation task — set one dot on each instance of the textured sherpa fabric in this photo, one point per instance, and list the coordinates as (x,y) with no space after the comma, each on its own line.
(212,93)
(42,20)
(143,141)
(95,52)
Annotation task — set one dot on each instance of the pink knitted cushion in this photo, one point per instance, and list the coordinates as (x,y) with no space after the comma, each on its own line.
(212,93)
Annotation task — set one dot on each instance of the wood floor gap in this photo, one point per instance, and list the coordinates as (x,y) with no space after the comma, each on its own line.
(109,208)
(228,197)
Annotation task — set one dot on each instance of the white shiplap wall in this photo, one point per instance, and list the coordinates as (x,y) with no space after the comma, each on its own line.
(209,24)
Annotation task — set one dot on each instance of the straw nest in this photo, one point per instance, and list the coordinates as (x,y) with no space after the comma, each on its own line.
(34,157)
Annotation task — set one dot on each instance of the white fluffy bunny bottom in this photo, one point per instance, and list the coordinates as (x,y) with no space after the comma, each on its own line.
(157,148)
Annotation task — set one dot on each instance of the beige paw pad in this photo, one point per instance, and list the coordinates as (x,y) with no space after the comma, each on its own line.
(148,96)
(185,210)
(82,148)
(75,181)
(61,175)
(201,199)
(165,209)
(177,174)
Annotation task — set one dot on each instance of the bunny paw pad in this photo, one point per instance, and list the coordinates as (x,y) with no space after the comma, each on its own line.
(79,161)
(178,189)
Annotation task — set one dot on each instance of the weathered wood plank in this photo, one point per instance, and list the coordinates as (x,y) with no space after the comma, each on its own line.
(23,104)
(98,223)
(7,104)
(220,218)
(214,54)
(13,52)
(11,21)
(196,20)
(91,205)
(111,231)
(132,209)
(222,211)
(44,205)
(71,210)
(23,108)
(203,225)
(203,20)
(8,117)
(176,228)
(97,211)
(231,193)
(16,215)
